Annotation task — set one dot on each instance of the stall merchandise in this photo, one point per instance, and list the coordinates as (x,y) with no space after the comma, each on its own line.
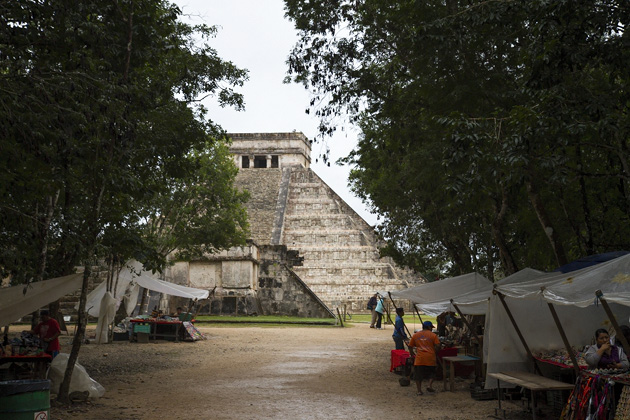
(191,333)
(592,398)
(561,358)
(623,405)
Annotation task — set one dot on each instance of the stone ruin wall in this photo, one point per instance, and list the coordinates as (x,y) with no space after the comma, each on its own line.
(281,291)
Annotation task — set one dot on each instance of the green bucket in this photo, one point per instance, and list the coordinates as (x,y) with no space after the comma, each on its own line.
(25,400)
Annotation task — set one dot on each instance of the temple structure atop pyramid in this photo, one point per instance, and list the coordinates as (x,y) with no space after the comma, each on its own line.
(303,236)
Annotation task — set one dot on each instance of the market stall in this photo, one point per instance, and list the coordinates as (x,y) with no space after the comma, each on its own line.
(130,279)
(554,311)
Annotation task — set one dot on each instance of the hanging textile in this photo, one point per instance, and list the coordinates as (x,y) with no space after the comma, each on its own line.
(592,398)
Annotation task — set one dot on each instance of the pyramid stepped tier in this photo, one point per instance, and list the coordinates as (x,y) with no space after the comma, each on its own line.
(263,185)
(314,255)
(341,259)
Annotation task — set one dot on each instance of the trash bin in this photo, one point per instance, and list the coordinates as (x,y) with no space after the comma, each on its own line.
(25,399)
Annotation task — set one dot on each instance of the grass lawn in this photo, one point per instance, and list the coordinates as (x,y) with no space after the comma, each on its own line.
(263,319)
(410,319)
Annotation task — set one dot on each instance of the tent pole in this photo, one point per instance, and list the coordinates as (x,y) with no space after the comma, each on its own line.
(576,367)
(472,332)
(417,312)
(396,308)
(518,331)
(613,320)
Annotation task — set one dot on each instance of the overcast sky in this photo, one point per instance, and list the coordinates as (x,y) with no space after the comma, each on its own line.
(255,35)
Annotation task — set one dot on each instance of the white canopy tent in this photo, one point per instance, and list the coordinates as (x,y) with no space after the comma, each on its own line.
(18,301)
(103,304)
(574,300)
(435,297)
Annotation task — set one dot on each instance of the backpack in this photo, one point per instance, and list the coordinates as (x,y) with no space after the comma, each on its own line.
(371,303)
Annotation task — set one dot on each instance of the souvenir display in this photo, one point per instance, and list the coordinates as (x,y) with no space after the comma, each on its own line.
(26,344)
(192,333)
(623,406)
(561,357)
(592,398)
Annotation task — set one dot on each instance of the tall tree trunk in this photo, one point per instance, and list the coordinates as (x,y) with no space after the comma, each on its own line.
(490,264)
(622,152)
(545,222)
(590,249)
(92,235)
(79,336)
(43,232)
(507,260)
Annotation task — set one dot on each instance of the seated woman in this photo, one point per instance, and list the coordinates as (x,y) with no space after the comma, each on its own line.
(604,355)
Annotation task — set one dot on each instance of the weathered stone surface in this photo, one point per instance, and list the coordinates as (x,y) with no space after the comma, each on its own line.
(341,262)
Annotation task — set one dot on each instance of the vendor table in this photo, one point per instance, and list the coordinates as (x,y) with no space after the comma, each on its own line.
(452,360)
(530,381)
(39,363)
(160,328)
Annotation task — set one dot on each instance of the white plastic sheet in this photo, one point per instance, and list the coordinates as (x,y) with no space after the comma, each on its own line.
(108,308)
(80,381)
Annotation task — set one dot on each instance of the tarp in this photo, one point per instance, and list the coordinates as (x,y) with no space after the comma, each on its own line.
(476,302)
(171,288)
(589,261)
(573,297)
(18,301)
(435,297)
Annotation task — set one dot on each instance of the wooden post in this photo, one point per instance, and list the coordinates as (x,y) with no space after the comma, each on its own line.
(345,309)
(613,320)
(565,340)
(339,317)
(417,312)
(518,331)
(192,302)
(473,333)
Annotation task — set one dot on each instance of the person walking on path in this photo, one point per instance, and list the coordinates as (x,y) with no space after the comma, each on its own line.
(399,336)
(425,344)
(372,307)
(380,309)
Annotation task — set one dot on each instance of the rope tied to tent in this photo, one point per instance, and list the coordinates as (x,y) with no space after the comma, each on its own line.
(598,295)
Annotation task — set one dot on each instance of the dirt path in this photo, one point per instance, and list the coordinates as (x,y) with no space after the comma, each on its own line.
(262,373)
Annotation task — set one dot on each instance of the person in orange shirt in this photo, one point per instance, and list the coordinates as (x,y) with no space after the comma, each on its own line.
(425,345)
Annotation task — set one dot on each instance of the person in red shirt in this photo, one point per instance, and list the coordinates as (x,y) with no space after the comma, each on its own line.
(425,344)
(48,331)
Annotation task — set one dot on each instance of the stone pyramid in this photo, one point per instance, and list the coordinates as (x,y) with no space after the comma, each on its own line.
(291,205)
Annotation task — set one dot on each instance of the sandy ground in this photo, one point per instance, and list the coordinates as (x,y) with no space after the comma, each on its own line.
(263,373)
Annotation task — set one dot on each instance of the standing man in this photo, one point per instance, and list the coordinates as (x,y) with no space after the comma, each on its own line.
(399,336)
(425,344)
(372,307)
(48,331)
(380,309)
